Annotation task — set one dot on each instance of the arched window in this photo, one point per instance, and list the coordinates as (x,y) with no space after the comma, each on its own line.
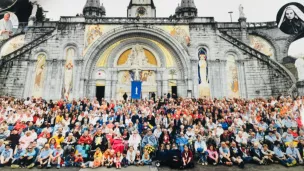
(232,77)
(203,79)
(40,72)
(68,73)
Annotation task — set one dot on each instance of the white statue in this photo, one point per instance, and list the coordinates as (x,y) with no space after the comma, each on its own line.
(32,18)
(241,10)
(300,67)
(137,58)
(35,8)
(136,75)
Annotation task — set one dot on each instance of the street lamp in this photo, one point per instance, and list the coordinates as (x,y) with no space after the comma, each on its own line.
(230,12)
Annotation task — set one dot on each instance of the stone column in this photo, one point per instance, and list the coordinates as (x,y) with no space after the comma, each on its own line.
(108,90)
(30,76)
(82,79)
(114,89)
(194,66)
(159,83)
(189,87)
(91,89)
(48,81)
(244,38)
(181,90)
(241,78)
(60,68)
(223,91)
(165,86)
(77,90)
(81,87)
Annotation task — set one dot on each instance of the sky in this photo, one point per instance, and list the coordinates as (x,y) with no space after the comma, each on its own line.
(255,10)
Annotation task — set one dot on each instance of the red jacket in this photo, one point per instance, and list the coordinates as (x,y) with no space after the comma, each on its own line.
(187,157)
(85,140)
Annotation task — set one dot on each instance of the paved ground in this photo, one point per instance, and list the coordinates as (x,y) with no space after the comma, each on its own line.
(274,167)
(36,169)
(130,168)
(249,167)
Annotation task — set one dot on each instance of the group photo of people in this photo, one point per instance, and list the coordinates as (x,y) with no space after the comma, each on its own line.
(170,132)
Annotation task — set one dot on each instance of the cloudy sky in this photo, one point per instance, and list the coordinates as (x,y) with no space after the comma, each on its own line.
(255,10)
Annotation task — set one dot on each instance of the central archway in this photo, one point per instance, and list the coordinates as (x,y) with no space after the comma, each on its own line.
(142,35)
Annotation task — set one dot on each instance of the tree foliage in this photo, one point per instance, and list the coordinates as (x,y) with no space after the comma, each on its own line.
(23,10)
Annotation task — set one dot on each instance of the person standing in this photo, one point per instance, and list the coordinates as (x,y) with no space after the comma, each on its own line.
(125,97)
(153,96)
(6,27)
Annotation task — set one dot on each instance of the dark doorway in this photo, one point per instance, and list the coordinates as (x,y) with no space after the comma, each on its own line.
(174,91)
(100,92)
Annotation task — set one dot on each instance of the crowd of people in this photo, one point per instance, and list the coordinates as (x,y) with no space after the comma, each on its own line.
(176,132)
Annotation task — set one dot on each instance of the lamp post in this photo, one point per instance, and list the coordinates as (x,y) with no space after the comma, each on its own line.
(230,12)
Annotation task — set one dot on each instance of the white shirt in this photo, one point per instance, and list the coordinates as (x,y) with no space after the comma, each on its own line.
(26,103)
(5,25)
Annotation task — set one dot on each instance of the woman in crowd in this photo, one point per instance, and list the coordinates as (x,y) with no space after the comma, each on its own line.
(225,154)
(213,157)
(131,155)
(187,158)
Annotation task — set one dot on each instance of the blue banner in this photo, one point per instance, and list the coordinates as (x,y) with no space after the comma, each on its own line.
(136,90)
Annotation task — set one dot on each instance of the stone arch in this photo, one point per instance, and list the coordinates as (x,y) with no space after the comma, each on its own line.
(267,37)
(71,45)
(129,43)
(180,61)
(117,34)
(235,53)
(232,75)
(200,46)
(38,51)
(71,76)
(206,51)
(270,40)
(42,74)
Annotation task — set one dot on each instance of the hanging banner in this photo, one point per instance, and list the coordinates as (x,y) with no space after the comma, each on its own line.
(136,89)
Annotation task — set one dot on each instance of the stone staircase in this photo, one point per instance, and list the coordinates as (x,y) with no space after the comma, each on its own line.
(27,47)
(12,78)
(13,67)
(262,57)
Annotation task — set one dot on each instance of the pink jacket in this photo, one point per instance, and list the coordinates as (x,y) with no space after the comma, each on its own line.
(212,154)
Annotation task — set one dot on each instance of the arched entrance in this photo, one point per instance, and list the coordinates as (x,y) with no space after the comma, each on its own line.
(167,70)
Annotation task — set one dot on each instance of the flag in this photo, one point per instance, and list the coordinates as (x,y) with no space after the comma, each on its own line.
(136,90)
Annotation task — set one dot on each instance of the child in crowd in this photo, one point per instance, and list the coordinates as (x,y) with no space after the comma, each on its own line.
(104,161)
(146,158)
(78,160)
(111,159)
(138,161)
(69,160)
(97,158)
(124,161)
(118,160)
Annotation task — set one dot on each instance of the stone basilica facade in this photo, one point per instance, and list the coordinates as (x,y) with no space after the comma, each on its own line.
(92,55)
